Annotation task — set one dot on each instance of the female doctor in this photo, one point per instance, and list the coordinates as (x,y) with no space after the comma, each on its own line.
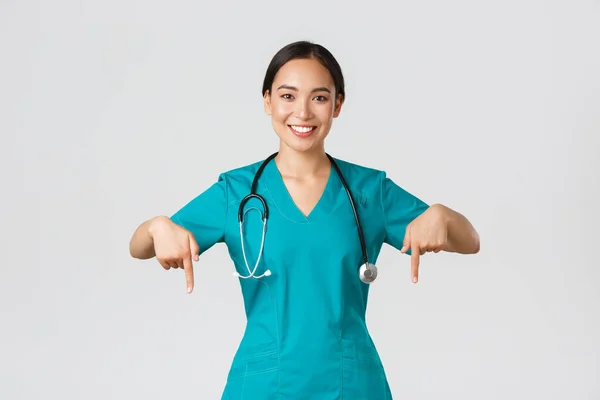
(303,230)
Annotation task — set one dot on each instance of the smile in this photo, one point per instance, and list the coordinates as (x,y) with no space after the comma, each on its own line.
(302,130)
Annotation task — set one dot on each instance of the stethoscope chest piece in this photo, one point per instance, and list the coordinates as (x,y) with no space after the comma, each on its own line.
(368,272)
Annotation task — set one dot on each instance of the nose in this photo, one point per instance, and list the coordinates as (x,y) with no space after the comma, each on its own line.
(303,109)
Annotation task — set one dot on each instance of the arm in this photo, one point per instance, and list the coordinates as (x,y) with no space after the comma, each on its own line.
(141,244)
(414,227)
(439,228)
(203,217)
(462,236)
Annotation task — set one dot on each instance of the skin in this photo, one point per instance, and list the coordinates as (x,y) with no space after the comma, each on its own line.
(439,228)
(303,94)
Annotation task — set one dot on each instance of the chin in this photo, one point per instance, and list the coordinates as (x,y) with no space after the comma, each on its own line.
(304,148)
(300,147)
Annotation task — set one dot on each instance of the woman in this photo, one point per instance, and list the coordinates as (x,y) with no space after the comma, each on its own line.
(306,297)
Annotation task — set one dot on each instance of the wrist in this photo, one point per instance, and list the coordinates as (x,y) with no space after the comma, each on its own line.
(442,212)
(156,224)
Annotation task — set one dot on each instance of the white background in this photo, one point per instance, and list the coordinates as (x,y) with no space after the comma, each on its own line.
(112,112)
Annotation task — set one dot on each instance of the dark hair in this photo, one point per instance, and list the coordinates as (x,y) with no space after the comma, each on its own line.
(305,50)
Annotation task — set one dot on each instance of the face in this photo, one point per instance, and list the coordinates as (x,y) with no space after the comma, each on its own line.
(302,104)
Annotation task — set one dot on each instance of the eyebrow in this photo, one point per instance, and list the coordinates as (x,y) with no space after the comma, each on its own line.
(319,89)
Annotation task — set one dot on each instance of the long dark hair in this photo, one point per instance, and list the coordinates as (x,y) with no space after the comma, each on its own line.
(303,50)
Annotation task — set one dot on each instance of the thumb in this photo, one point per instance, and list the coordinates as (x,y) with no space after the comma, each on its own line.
(194,248)
(406,243)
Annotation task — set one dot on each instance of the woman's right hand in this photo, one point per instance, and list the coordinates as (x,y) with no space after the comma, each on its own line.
(175,247)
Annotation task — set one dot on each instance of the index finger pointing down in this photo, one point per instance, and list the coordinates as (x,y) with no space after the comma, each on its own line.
(414,261)
(189,273)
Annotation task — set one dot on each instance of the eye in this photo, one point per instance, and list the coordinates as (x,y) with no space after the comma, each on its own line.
(286,96)
(321,98)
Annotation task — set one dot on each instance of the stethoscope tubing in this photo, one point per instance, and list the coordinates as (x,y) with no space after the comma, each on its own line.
(265,217)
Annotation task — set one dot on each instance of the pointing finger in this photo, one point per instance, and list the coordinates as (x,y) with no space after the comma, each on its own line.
(189,273)
(414,261)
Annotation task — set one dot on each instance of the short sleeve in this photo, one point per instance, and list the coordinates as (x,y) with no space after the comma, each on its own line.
(205,215)
(399,208)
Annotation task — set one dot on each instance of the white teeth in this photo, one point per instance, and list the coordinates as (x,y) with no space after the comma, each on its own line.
(302,129)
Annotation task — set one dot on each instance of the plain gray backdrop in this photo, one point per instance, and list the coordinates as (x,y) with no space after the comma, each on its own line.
(112,112)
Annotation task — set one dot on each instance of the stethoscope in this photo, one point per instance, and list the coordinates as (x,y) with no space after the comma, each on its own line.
(367,272)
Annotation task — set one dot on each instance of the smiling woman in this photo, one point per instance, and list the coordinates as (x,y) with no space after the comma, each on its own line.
(306,294)
(303,94)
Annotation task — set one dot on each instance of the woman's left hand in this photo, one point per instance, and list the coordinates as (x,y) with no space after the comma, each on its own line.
(426,233)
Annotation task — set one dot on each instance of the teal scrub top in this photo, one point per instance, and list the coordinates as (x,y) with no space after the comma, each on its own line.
(306,335)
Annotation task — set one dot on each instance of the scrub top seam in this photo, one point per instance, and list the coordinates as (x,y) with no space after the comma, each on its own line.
(362,198)
(278,337)
(238,201)
(266,183)
(385,223)
(224,230)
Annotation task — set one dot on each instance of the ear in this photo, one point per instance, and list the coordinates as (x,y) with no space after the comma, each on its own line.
(338,106)
(267,102)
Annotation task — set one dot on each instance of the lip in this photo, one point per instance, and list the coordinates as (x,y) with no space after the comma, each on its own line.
(302,134)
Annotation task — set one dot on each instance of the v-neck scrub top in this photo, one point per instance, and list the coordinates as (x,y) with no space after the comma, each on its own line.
(306,336)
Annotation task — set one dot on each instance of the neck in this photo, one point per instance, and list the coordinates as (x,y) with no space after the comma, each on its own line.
(301,164)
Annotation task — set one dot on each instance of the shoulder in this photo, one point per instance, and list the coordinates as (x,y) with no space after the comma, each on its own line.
(242,175)
(364,181)
(360,176)
(238,180)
